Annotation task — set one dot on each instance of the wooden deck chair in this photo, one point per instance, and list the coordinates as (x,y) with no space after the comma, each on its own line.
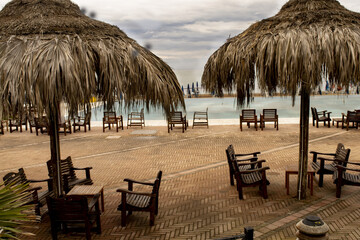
(320,116)
(201,119)
(136,119)
(38,198)
(248,116)
(177,118)
(351,117)
(110,119)
(340,157)
(74,210)
(346,176)
(80,121)
(269,115)
(140,201)
(246,157)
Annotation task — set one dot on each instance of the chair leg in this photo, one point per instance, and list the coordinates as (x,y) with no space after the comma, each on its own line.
(231,178)
(152,218)
(54,231)
(123,217)
(239,188)
(321,179)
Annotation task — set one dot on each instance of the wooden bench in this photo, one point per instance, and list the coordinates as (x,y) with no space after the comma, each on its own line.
(177,118)
(69,176)
(140,201)
(37,198)
(341,156)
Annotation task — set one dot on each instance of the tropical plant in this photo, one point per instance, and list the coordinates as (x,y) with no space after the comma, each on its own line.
(13,211)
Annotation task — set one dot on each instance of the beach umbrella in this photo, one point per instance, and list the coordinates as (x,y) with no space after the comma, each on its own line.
(188,89)
(357,89)
(51,52)
(327,87)
(290,52)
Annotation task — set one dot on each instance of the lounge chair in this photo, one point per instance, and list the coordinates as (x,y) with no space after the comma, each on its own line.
(231,156)
(320,116)
(346,176)
(248,116)
(269,115)
(201,119)
(38,198)
(41,124)
(17,122)
(340,157)
(66,126)
(74,210)
(136,119)
(140,201)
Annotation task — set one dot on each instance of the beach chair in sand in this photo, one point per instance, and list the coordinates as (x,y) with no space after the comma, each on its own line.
(269,115)
(136,119)
(110,119)
(320,116)
(176,118)
(346,175)
(201,119)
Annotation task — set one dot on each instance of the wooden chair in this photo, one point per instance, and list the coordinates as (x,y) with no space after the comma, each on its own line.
(140,201)
(251,177)
(37,198)
(346,176)
(269,115)
(82,122)
(41,124)
(231,156)
(201,119)
(136,119)
(320,116)
(177,118)
(17,122)
(66,126)
(110,119)
(248,116)
(340,157)
(69,175)
(1,128)
(74,210)
(351,117)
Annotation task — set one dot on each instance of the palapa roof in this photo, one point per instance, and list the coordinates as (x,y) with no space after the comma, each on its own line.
(50,51)
(306,40)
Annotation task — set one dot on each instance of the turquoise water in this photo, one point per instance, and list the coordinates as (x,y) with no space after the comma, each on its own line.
(226,108)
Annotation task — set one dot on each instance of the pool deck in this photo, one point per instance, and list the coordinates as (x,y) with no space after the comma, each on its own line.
(196,199)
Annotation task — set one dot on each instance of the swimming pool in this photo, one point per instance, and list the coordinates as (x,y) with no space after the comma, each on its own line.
(223,111)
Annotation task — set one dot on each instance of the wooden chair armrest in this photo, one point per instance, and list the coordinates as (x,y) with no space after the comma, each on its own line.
(137,193)
(328,154)
(246,154)
(353,163)
(327,159)
(33,189)
(139,182)
(255,170)
(246,160)
(251,163)
(36,181)
(85,168)
(94,201)
(347,168)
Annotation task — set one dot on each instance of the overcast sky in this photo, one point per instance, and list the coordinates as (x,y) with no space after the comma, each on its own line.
(184,33)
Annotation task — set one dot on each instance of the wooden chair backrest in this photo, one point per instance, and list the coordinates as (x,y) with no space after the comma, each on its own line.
(351,116)
(15,177)
(248,113)
(156,187)
(176,117)
(67,168)
(342,155)
(87,117)
(68,209)
(269,113)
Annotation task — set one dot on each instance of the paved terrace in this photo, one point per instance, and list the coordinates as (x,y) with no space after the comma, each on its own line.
(196,199)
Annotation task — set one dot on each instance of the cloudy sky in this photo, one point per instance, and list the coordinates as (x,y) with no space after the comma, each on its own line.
(184,33)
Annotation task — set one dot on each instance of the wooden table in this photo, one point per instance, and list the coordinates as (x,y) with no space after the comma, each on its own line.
(295,170)
(88,191)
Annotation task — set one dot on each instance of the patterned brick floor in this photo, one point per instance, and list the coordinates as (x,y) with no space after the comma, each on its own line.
(196,199)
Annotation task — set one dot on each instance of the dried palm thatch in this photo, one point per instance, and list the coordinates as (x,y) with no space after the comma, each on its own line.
(306,40)
(51,52)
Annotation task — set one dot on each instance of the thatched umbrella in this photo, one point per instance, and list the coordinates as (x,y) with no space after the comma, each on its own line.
(51,52)
(305,41)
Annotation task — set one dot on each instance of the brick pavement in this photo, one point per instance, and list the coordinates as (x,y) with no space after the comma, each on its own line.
(196,199)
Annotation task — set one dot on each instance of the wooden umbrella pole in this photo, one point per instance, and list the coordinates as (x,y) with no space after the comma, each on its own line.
(304,142)
(55,151)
